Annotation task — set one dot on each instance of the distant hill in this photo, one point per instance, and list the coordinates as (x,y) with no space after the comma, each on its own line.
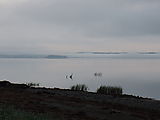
(22,56)
(56,57)
(148,52)
(103,52)
(34,56)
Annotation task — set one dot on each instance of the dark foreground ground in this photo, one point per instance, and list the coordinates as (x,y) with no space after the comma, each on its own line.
(77,105)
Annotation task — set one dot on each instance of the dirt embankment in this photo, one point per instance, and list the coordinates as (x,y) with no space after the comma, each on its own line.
(77,105)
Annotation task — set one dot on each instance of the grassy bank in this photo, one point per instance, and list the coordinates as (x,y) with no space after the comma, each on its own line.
(36,103)
(8,112)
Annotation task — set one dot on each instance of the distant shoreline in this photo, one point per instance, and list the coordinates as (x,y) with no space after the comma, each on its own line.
(86,55)
(34,56)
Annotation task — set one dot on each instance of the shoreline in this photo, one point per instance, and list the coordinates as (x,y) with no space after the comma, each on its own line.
(78,105)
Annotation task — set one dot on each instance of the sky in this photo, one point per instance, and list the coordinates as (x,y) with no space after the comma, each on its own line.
(48,26)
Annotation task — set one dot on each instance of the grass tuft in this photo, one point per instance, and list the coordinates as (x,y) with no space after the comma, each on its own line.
(110,90)
(79,87)
(31,84)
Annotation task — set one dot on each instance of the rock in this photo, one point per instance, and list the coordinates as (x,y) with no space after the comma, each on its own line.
(7,84)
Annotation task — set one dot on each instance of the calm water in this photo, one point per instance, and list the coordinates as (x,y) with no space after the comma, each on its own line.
(136,76)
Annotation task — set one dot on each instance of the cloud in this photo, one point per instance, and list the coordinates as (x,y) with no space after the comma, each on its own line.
(64,23)
(97,18)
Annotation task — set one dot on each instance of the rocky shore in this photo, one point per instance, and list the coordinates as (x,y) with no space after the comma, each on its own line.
(78,105)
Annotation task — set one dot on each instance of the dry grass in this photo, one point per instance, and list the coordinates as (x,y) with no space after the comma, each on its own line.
(79,87)
(110,90)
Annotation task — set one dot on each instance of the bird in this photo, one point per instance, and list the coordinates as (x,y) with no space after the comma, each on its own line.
(98,74)
(71,76)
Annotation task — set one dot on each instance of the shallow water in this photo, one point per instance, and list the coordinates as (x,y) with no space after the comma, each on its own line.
(135,76)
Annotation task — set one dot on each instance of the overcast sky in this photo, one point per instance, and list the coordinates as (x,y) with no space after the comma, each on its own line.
(48,26)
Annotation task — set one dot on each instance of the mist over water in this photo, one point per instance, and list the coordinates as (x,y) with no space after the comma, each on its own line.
(136,75)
